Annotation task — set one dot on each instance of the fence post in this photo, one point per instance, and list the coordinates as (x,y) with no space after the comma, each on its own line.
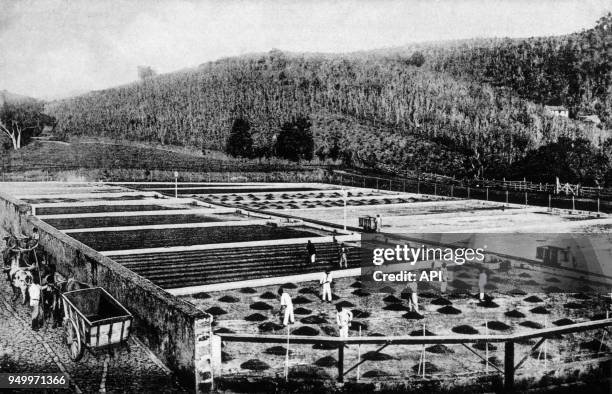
(549,203)
(341,362)
(452,189)
(377,189)
(359,356)
(435,189)
(287,357)
(487,193)
(509,366)
(176,174)
(468,191)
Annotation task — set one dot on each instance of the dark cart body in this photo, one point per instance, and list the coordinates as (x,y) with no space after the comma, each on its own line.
(94,320)
(367,223)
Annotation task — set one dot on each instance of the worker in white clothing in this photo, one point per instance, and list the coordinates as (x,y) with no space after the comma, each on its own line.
(378,223)
(326,281)
(482,282)
(343,318)
(286,306)
(35,293)
(413,298)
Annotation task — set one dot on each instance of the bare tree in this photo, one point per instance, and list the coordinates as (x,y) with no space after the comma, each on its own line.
(21,120)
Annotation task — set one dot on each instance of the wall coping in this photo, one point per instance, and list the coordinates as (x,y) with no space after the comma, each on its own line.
(24,207)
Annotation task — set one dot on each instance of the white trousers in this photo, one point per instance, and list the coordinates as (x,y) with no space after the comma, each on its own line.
(326,292)
(343,331)
(413,302)
(289,317)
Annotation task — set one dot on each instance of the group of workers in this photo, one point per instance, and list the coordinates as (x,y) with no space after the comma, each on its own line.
(344,316)
(342,256)
(21,264)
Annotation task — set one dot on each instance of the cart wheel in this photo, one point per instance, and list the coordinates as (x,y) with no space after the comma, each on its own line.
(73,340)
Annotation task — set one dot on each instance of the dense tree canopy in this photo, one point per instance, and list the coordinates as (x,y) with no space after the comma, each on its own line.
(239,141)
(294,141)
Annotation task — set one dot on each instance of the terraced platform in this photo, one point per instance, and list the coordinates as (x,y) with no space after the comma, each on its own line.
(102,197)
(200,267)
(209,190)
(59,210)
(168,188)
(119,221)
(159,238)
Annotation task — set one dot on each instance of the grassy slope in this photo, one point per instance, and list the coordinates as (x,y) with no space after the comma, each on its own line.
(61,155)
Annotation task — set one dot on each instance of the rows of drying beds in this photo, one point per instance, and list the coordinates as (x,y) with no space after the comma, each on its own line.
(324,199)
(311,323)
(64,223)
(186,268)
(221,188)
(200,267)
(256,196)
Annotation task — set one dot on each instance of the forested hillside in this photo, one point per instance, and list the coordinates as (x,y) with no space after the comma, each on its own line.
(573,70)
(428,113)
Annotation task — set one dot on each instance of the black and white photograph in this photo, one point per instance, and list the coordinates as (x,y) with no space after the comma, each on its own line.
(306,196)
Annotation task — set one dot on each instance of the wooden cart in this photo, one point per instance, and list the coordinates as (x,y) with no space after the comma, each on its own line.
(367,223)
(93,319)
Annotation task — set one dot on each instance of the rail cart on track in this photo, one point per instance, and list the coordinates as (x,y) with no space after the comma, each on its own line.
(93,319)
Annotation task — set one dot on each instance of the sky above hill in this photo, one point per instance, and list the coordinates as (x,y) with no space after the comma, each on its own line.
(55,48)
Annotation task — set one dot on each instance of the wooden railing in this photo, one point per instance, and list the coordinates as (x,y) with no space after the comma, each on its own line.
(603,203)
(510,367)
(524,185)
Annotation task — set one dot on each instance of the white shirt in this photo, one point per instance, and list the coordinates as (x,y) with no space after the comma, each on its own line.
(326,278)
(286,300)
(344,317)
(34,291)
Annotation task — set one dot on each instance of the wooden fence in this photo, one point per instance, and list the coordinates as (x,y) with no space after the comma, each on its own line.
(603,203)
(509,369)
(524,185)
